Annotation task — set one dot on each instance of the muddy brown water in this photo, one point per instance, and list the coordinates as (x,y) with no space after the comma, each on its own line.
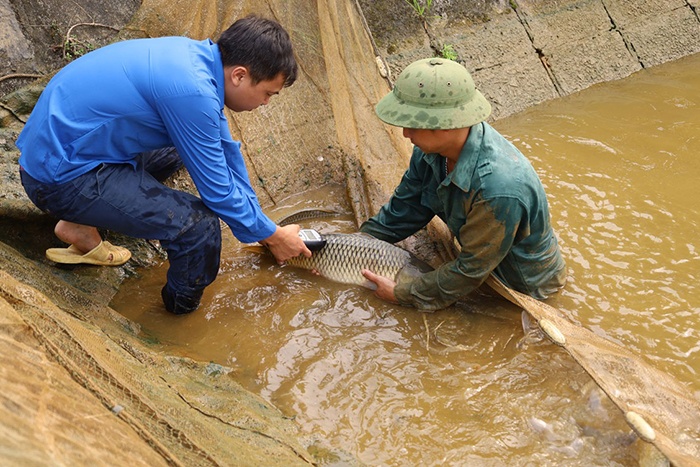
(463,386)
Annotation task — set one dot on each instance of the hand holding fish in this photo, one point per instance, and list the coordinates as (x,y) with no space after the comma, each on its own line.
(385,286)
(285,243)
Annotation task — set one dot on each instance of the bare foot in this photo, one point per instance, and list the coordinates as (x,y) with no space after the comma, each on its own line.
(83,237)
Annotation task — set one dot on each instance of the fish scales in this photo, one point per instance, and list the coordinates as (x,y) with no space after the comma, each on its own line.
(344,257)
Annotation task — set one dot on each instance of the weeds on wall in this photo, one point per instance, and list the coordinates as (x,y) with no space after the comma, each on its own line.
(74,47)
(448,52)
(421,7)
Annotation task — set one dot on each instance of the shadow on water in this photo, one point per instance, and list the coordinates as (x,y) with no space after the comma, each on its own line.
(462,386)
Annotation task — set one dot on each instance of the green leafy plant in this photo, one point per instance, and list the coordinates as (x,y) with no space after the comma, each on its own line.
(420,7)
(448,52)
(73,48)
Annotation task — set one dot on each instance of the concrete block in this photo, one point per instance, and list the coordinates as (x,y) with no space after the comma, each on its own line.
(578,43)
(603,57)
(553,24)
(662,36)
(625,12)
(504,65)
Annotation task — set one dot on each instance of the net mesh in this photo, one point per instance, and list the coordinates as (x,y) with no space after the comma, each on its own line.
(657,407)
(184,412)
(664,405)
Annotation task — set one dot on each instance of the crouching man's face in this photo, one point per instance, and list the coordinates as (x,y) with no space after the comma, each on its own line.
(241,94)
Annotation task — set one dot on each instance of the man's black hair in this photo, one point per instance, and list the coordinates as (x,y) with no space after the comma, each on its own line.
(262,46)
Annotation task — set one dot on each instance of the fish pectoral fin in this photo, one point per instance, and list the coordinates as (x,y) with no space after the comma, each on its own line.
(369,285)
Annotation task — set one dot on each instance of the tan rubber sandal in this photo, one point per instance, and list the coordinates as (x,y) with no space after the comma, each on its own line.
(104,254)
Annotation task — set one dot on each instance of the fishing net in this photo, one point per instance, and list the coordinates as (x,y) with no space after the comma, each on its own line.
(656,406)
(82,388)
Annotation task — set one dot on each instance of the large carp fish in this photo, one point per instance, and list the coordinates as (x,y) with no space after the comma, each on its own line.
(345,255)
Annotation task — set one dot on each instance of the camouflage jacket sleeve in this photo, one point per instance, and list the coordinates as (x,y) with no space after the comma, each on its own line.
(404,214)
(485,240)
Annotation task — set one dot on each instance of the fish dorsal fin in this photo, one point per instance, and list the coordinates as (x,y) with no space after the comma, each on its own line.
(303,214)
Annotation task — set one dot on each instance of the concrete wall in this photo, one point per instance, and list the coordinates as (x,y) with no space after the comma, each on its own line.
(527,51)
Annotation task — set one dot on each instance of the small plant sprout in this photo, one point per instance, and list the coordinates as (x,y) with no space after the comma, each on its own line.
(421,7)
(448,52)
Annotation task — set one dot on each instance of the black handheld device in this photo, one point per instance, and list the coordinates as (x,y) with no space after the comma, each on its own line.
(312,239)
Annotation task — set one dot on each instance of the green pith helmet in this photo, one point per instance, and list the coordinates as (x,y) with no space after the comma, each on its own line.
(434,93)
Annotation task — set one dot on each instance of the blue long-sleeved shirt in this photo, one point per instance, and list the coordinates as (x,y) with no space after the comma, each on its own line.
(139,95)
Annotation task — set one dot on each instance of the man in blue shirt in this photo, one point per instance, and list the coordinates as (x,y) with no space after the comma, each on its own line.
(463,171)
(113,124)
